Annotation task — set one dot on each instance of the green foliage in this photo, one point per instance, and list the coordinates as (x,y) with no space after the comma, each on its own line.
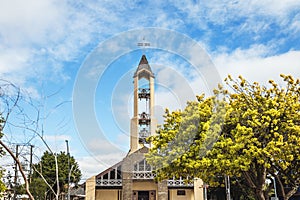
(2,185)
(259,135)
(39,189)
(46,167)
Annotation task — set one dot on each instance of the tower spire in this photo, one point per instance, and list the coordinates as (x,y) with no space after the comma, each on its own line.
(144,69)
(143,123)
(143,60)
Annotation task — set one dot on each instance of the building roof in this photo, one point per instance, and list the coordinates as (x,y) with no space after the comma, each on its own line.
(141,150)
(144,69)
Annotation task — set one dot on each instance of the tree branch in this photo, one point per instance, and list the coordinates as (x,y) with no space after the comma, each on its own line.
(20,168)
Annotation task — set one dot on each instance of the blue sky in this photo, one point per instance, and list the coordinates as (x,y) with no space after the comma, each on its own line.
(44,45)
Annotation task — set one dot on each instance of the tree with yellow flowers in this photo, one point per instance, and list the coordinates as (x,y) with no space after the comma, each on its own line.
(248,132)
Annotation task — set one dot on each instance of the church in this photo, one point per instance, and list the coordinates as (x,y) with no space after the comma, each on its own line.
(132,178)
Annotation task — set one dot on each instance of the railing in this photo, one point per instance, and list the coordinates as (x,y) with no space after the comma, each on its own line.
(109,182)
(179,183)
(118,182)
(143,175)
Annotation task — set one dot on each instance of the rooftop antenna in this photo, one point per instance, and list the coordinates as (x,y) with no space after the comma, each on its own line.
(143,45)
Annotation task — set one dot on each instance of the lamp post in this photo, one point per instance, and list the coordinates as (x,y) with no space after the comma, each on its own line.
(69,177)
(69,172)
(227,187)
(205,191)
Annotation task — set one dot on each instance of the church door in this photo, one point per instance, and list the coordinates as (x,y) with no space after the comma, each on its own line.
(143,195)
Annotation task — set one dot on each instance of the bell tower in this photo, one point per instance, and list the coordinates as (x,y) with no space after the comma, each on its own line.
(143,123)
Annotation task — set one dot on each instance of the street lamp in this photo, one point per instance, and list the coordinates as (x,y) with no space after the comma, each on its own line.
(274,180)
(205,186)
(69,177)
(227,187)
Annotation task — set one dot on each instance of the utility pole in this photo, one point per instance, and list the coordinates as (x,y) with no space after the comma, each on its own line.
(69,173)
(18,157)
(30,164)
(16,172)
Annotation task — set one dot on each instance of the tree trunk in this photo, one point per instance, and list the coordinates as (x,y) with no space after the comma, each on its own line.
(256,179)
(290,193)
(57,180)
(285,195)
(259,194)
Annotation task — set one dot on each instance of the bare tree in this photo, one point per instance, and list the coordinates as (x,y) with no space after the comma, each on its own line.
(12,103)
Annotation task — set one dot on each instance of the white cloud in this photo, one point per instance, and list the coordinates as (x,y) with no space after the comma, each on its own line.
(271,7)
(23,27)
(253,65)
(36,37)
(27,22)
(30,92)
(294,27)
(248,16)
(56,138)
(174,87)
(12,60)
(164,21)
(32,31)
(55,142)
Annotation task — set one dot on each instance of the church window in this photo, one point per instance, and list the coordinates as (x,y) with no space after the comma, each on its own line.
(180,192)
(119,173)
(112,174)
(135,167)
(105,176)
(142,165)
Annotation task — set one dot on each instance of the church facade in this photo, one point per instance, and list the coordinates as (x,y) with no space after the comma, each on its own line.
(133,178)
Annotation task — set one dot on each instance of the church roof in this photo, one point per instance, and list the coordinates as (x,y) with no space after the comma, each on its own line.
(144,69)
(119,164)
(109,169)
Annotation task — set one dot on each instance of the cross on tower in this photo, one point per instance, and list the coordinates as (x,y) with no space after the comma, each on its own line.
(144,43)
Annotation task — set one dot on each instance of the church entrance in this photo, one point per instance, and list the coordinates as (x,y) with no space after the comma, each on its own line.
(144,195)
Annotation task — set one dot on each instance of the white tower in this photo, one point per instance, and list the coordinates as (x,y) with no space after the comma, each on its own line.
(143,123)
